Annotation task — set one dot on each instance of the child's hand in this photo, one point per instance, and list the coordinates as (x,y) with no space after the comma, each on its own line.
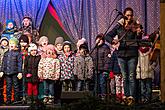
(1,74)
(19,75)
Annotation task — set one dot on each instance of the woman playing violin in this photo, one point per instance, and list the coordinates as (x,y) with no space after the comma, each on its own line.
(127,54)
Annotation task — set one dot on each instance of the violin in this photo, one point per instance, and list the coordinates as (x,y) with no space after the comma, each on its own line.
(133,26)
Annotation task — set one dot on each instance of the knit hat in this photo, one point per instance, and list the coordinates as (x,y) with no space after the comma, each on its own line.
(4,38)
(10,21)
(24,38)
(67,43)
(32,46)
(81,41)
(59,40)
(13,40)
(50,47)
(42,38)
(144,49)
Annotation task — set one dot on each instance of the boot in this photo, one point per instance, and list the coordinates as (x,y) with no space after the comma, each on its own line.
(35,99)
(46,99)
(51,100)
(8,102)
(29,100)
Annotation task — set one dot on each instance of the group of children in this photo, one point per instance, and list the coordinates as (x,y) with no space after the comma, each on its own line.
(27,62)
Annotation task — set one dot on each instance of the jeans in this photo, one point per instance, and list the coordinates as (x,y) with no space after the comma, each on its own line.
(12,80)
(145,86)
(128,70)
(102,83)
(81,86)
(49,87)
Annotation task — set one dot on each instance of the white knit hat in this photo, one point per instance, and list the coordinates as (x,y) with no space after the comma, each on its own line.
(32,46)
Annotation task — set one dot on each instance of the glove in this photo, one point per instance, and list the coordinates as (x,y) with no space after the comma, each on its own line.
(19,75)
(28,75)
(111,75)
(1,74)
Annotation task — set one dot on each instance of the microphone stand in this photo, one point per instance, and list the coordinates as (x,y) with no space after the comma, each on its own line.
(97,56)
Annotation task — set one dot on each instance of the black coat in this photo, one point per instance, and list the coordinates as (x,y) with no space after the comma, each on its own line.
(31,67)
(103,59)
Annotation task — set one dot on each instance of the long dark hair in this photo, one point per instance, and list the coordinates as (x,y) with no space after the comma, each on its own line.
(128,9)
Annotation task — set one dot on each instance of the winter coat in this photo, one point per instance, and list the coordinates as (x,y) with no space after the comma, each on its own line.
(103,59)
(144,69)
(125,49)
(2,52)
(12,62)
(83,67)
(67,66)
(49,68)
(31,67)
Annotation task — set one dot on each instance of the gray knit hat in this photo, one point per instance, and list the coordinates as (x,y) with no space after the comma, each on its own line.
(59,40)
(43,38)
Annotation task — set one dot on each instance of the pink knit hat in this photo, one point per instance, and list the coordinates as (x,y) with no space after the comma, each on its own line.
(51,47)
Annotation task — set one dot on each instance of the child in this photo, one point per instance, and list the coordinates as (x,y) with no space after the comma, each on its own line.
(23,43)
(10,29)
(58,45)
(144,74)
(3,48)
(83,68)
(28,29)
(30,70)
(12,69)
(101,65)
(43,42)
(67,65)
(49,72)
(79,42)
(58,84)
(116,80)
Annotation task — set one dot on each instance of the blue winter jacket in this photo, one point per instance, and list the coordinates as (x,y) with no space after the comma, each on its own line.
(12,62)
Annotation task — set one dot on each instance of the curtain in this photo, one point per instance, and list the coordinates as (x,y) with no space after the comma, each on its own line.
(87,18)
(17,9)
(52,27)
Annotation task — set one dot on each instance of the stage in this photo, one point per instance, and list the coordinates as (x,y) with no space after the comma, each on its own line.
(86,101)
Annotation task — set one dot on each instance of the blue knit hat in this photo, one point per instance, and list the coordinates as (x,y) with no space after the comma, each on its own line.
(10,21)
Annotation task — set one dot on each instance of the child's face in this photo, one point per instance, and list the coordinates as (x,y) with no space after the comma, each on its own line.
(23,44)
(12,45)
(59,47)
(82,52)
(10,25)
(26,22)
(66,48)
(44,43)
(33,52)
(4,43)
(50,53)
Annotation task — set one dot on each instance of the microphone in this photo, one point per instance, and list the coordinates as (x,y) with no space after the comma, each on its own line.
(120,13)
